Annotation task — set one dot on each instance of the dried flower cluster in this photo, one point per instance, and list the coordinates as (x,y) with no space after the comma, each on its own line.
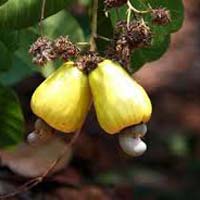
(45,50)
(136,34)
(42,51)
(65,48)
(89,61)
(126,39)
(161,16)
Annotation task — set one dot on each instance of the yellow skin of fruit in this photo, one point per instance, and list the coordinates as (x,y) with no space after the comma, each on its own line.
(119,101)
(62,100)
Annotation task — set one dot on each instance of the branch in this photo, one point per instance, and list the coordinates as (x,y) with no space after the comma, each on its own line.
(94,25)
(130,6)
(35,181)
(42,16)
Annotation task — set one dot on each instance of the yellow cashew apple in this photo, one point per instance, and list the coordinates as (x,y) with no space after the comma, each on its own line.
(119,101)
(62,100)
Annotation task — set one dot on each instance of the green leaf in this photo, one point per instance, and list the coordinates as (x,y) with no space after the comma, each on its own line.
(176,11)
(63,23)
(11,118)
(104,27)
(8,44)
(10,39)
(5,57)
(2,2)
(17,14)
(21,61)
(18,71)
(142,56)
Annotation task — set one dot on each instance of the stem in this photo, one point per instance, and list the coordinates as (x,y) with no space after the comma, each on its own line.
(82,44)
(103,38)
(128,17)
(47,69)
(94,25)
(42,16)
(130,6)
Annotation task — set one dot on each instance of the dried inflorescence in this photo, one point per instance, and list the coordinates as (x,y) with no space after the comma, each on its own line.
(114,3)
(126,39)
(139,35)
(161,16)
(42,51)
(136,34)
(45,50)
(89,61)
(64,48)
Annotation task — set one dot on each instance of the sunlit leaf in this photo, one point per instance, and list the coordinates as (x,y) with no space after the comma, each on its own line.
(23,13)
(63,23)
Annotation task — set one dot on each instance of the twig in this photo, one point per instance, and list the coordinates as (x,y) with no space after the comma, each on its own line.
(35,181)
(130,6)
(128,17)
(94,25)
(103,38)
(42,16)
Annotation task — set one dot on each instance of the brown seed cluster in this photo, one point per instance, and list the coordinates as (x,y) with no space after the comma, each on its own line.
(65,48)
(126,39)
(114,3)
(42,51)
(139,35)
(88,61)
(45,50)
(161,16)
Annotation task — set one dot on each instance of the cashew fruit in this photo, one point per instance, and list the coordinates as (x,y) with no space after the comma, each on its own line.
(62,100)
(119,101)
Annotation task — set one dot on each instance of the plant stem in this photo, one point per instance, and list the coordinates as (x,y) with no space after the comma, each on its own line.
(47,69)
(93,25)
(42,16)
(130,6)
(128,17)
(103,38)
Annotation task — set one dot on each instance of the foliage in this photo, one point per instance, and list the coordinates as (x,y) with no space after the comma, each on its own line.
(12,128)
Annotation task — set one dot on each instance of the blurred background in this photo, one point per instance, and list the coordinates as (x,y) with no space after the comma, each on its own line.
(97,168)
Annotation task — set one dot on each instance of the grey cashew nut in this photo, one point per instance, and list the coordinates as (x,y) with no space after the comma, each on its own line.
(131,142)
